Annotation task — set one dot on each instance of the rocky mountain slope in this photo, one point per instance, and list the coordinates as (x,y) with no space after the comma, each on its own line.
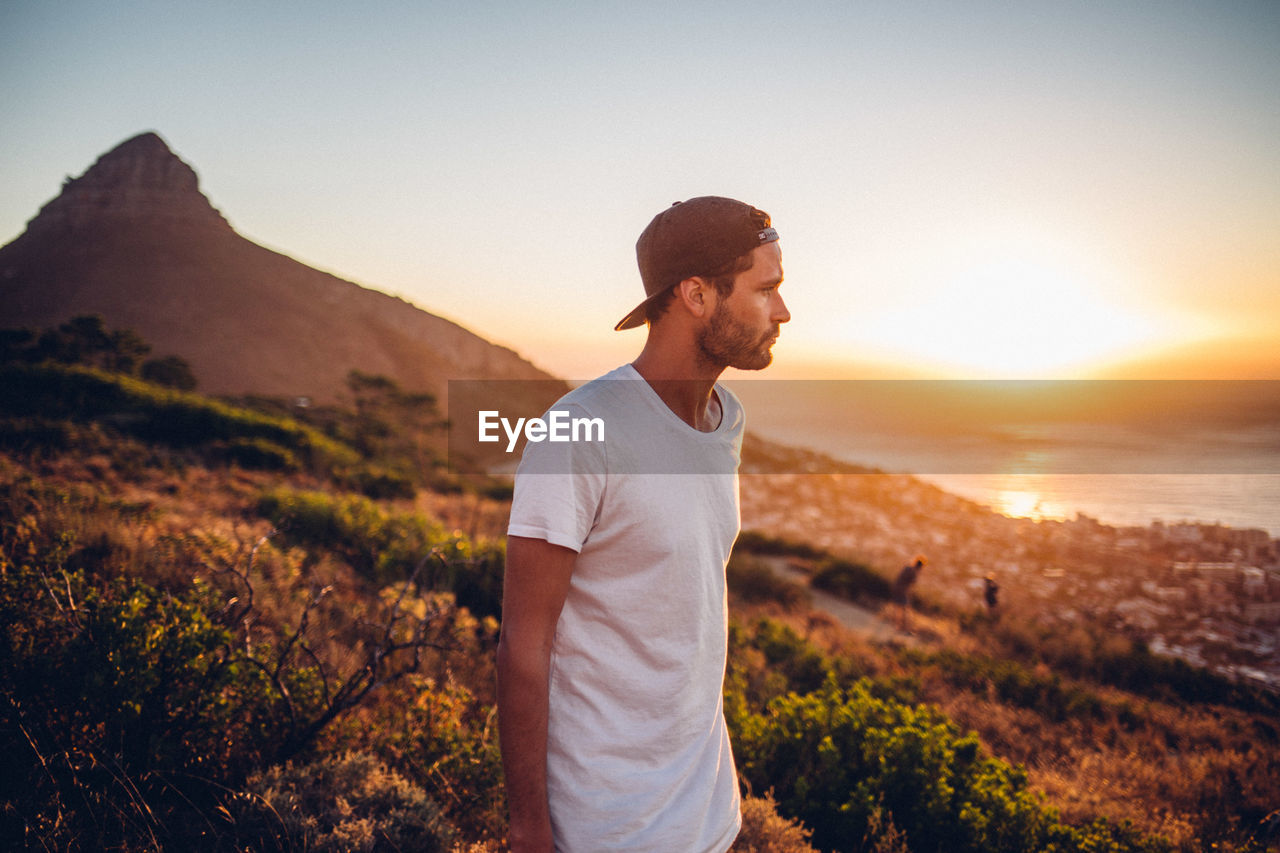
(134,240)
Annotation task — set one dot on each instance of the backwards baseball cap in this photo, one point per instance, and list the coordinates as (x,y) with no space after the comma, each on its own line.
(694,238)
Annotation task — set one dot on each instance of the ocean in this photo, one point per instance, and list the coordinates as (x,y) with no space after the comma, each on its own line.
(1236,500)
(1123,452)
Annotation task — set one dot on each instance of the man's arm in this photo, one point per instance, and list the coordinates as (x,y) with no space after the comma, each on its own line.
(534,590)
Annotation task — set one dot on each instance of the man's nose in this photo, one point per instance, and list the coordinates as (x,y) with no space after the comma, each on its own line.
(780,312)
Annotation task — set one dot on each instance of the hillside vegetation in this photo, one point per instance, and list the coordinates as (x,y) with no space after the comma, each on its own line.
(250,625)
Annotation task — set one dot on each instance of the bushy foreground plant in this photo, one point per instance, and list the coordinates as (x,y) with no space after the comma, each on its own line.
(444,737)
(867,768)
(116,697)
(835,756)
(127,710)
(768,659)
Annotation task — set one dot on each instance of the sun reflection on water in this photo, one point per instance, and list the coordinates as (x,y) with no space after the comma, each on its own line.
(1018,504)
(1025,501)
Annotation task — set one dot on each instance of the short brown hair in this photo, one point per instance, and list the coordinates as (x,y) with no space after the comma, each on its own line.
(721,279)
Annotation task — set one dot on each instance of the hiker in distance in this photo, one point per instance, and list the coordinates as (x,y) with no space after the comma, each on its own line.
(612,654)
(902,586)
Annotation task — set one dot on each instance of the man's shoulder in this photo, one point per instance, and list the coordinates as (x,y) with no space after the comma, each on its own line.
(603,392)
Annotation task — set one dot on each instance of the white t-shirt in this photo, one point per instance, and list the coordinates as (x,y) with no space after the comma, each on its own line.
(638,755)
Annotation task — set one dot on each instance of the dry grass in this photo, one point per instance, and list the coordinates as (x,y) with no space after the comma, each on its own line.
(474,515)
(765,831)
(1181,771)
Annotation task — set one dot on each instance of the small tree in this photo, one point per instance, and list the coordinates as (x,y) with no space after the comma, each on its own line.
(125,351)
(16,345)
(85,340)
(171,371)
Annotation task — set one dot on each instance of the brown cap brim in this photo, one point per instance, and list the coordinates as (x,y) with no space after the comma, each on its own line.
(636,317)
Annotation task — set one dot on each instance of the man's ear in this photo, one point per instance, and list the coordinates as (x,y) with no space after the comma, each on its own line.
(695,295)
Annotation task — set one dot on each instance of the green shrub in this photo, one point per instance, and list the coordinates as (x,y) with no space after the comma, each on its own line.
(1014,683)
(171,371)
(768,659)
(752,579)
(1094,652)
(259,453)
(498,490)
(379,483)
(850,580)
(382,546)
(835,758)
(785,651)
(338,804)
(127,661)
(388,546)
(755,542)
(80,340)
(121,703)
(151,413)
(125,709)
(27,434)
(444,737)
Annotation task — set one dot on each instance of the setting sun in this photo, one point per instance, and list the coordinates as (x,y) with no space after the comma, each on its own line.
(1012,316)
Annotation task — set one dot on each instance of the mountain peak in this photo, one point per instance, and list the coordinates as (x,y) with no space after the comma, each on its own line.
(134,241)
(139,179)
(145,146)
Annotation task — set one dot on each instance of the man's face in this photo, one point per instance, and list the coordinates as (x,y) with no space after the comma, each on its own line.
(744,325)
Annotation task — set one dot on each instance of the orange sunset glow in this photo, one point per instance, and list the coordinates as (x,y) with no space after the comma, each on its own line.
(1044,192)
(335,514)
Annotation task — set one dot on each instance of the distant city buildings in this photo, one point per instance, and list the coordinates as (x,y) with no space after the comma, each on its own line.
(1208,594)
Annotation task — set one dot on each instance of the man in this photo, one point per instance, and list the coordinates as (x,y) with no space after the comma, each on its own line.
(991,592)
(902,590)
(614,624)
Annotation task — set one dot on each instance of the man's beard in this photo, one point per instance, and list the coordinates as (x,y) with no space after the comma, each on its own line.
(725,342)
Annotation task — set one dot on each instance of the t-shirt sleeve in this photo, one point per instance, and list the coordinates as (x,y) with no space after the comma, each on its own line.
(558,489)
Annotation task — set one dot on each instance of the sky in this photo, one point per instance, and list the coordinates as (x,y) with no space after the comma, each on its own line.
(963,190)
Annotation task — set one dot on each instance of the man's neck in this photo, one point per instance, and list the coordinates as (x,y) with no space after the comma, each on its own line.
(682,383)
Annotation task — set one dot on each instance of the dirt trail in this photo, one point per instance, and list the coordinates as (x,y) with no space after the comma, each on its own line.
(848,614)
